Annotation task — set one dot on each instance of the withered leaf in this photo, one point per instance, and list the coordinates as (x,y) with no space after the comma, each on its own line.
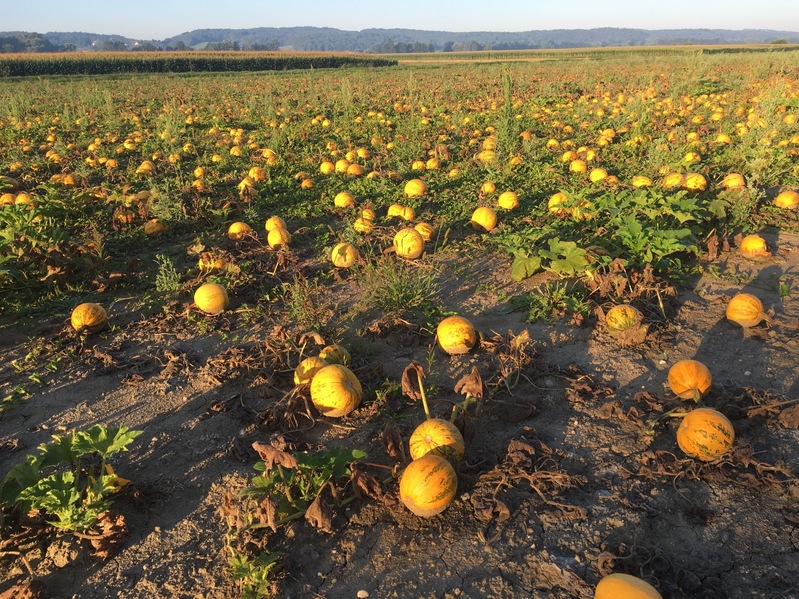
(521,340)
(487,509)
(789,417)
(471,384)
(366,485)
(267,512)
(392,439)
(411,376)
(604,563)
(113,532)
(712,247)
(312,336)
(320,516)
(27,589)
(273,456)
(465,424)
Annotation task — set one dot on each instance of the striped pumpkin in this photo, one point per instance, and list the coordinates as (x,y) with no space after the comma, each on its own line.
(428,485)
(706,434)
(439,437)
(88,317)
(622,318)
(335,390)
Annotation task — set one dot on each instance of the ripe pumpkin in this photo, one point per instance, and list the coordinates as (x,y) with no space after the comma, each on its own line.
(335,390)
(577,166)
(211,298)
(705,433)
(508,200)
(407,213)
(597,174)
(344,255)
(88,317)
(428,485)
(437,436)
(733,181)
(488,188)
(425,230)
(456,335)
(238,230)
(306,369)
(363,225)
(484,219)
(409,243)
(745,310)
(754,247)
(695,182)
(622,318)
(368,214)
(624,586)
(154,226)
(278,238)
(274,222)
(641,182)
(415,188)
(787,199)
(335,354)
(690,379)
(344,199)
(673,181)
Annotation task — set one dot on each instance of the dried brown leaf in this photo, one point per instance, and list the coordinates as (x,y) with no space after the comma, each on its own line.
(471,384)
(365,485)
(411,376)
(392,439)
(320,516)
(488,509)
(312,336)
(273,456)
(112,534)
(267,513)
(604,563)
(27,589)
(712,248)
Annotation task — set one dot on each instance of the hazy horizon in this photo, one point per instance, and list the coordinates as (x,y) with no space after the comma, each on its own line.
(148,19)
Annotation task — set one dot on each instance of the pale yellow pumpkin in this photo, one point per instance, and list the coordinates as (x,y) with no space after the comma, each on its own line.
(335,353)
(211,298)
(456,335)
(305,370)
(484,219)
(754,247)
(787,199)
(415,188)
(238,231)
(335,390)
(408,243)
(344,199)
(274,222)
(508,200)
(344,255)
(437,436)
(278,238)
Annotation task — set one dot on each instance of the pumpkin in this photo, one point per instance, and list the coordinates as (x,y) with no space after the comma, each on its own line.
(211,298)
(415,188)
(733,181)
(408,243)
(624,586)
(622,318)
(344,199)
(787,199)
(154,226)
(695,182)
(555,203)
(344,255)
(745,310)
(508,200)
(394,210)
(484,219)
(278,238)
(597,174)
(335,390)
(425,230)
(355,170)
(89,317)
(327,167)
(306,369)
(689,379)
(705,433)
(641,182)
(368,214)
(673,181)
(428,485)
(577,166)
(274,222)
(407,213)
(754,247)
(335,354)
(437,436)
(238,230)
(363,225)
(488,188)
(456,335)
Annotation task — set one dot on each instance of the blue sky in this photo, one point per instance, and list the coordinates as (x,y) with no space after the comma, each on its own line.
(150,19)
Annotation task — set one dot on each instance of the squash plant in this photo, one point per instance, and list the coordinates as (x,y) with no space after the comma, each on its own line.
(66,481)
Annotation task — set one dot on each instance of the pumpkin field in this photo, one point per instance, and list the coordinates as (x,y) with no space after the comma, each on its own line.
(445,327)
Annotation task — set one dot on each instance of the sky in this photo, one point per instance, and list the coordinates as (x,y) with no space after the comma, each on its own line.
(152,19)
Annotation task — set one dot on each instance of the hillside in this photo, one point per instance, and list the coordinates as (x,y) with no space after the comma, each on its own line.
(398,40)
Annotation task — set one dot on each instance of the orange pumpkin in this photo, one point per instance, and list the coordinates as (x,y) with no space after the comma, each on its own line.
(754,247)
(690,379)
(746,310)
(624,586)
(89,317)
(787,199)
(439,437)
(508,200)
(335,390)
(456,335)
(428,485)
(705,433)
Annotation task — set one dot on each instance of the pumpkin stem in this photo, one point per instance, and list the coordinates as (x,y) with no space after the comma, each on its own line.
(673,413)
(424,396)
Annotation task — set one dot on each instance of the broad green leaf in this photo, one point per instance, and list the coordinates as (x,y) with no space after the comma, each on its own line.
(104,440)
(20,477)
(524,267)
